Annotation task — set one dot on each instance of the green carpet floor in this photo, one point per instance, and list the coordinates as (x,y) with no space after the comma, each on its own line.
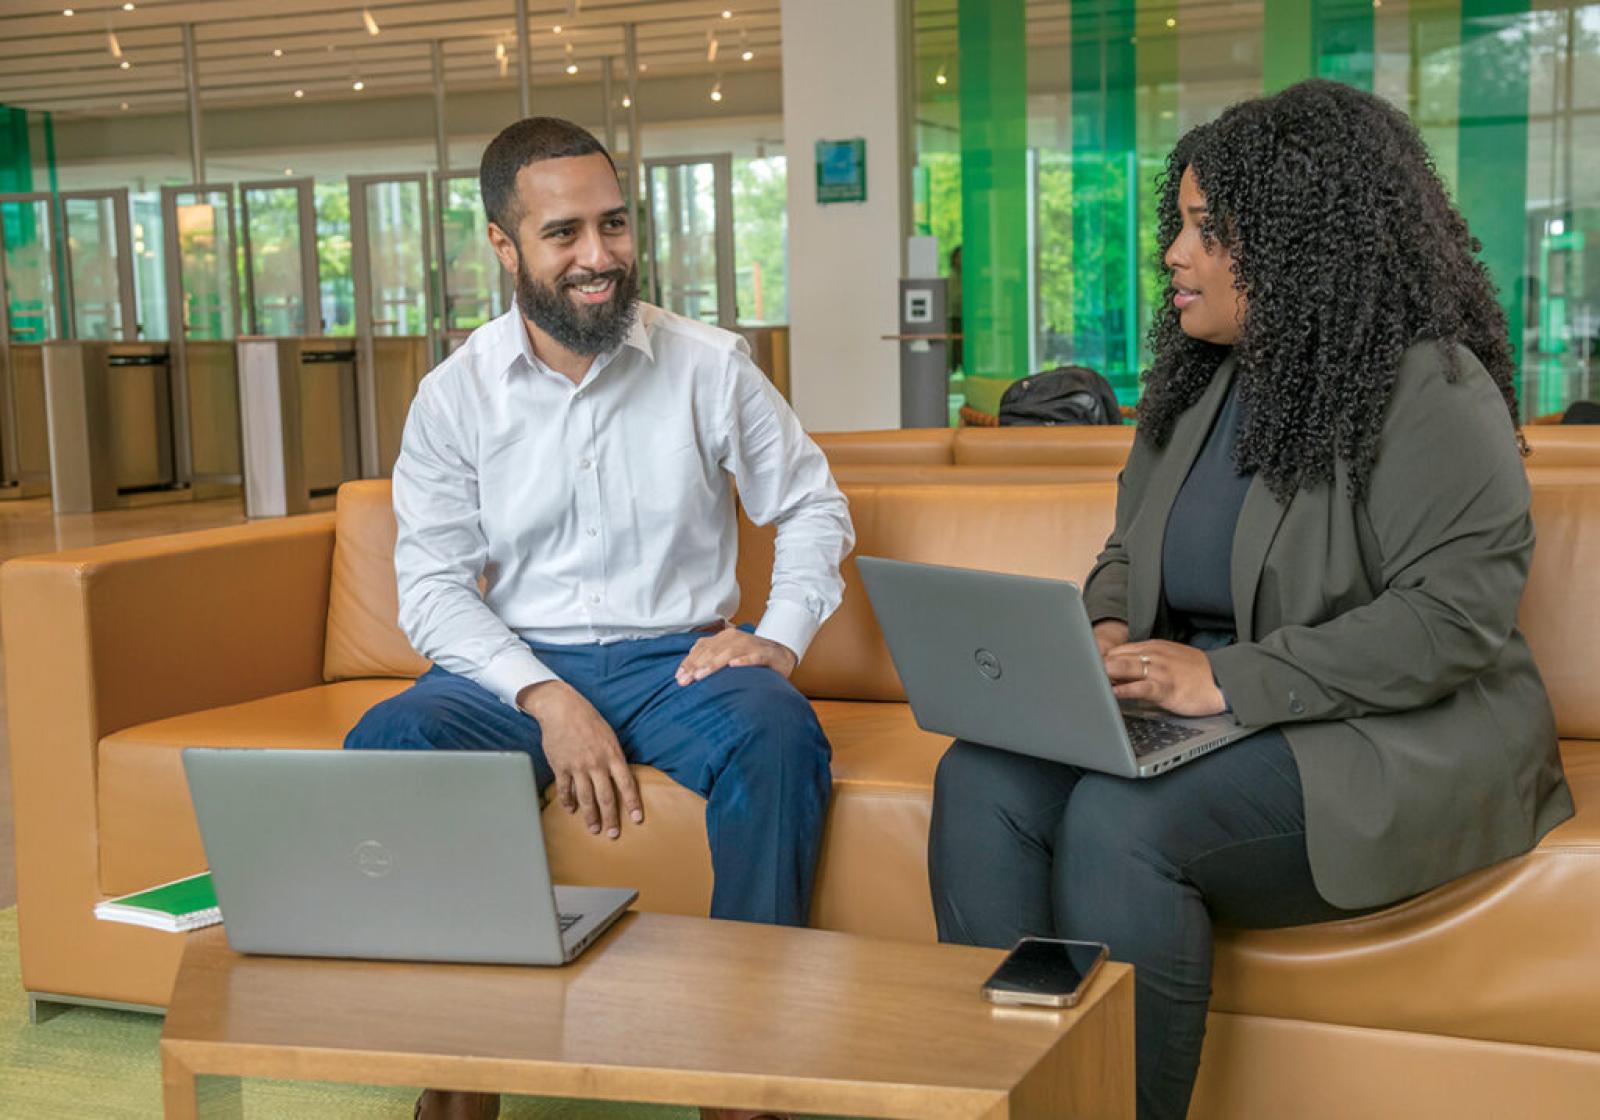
(104,1065)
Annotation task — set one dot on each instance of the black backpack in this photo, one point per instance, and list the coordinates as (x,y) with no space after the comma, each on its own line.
(1064,395)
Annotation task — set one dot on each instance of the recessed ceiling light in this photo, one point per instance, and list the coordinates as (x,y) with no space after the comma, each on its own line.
(288,171)
(123,106)
(556,30)
(643,67)
(627,102)
(299,93)
(127,7)
(1171,22)
(727,13)
(68,12)
(125,65)
(572,67)
(748,55)
(358,85)
(277,52)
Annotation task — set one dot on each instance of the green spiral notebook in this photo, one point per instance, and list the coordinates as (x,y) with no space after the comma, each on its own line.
(176,907)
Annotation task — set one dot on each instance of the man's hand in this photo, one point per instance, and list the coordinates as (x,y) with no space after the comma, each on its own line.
(1172,675)
(1109,633)
(737,648)
(581,748)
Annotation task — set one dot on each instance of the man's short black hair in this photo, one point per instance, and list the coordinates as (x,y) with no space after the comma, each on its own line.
(527,141)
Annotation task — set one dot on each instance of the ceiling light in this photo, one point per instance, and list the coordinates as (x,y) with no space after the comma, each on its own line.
(299,93)
(627,102)
(358,85)
(556,30)
(572,67)
(744,43)
(372,24)
(277,52)
(748,55)
(711,46)
(940,78)
(114,44)
(1171,22)
(727,13)
(716,91)
(125,65)
(643,67)
(500,51)
(288,171)
(127,7)
(123,106)
(67,12)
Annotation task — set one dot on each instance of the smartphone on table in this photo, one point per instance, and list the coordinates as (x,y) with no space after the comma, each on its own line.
(1046,972)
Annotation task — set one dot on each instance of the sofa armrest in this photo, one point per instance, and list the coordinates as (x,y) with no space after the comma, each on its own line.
(99,639)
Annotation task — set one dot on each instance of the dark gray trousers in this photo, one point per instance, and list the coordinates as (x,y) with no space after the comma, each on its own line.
(1021,847)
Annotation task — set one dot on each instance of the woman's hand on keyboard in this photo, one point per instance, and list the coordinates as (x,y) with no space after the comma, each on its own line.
(1168,674)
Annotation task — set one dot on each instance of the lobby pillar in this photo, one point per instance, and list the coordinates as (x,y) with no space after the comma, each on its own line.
(845,258)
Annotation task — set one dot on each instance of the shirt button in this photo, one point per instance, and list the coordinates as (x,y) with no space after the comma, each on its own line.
(584,464)
(593,532)
(578,396)
(595,599)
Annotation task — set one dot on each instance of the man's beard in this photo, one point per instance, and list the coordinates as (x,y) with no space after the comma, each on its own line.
(587,329)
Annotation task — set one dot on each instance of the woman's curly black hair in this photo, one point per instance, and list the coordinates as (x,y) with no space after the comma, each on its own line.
(1348,251)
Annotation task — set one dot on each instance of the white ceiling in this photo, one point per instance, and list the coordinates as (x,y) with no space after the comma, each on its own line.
(50,61)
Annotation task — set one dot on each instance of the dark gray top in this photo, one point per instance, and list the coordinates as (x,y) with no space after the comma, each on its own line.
(1197,551)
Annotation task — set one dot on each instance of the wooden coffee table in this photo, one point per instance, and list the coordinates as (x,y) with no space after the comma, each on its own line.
(666,1009)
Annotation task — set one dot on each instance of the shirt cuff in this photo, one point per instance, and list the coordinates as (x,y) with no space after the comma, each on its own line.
(512,671)
(790,625)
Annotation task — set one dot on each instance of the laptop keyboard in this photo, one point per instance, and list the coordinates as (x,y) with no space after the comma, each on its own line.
(1149,735)
(569,920)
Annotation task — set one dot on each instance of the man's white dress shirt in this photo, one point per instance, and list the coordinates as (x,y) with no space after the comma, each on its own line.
(603,511)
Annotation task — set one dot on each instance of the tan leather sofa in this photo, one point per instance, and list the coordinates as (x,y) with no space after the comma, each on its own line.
(1480,999)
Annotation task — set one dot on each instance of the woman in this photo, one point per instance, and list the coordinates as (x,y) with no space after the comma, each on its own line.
(1323,527)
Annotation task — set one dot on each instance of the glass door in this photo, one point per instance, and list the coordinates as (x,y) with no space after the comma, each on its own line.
(690,204)
(31,314)
(396,316)
(278,229)
(99,259)
(203,316)
(474,288)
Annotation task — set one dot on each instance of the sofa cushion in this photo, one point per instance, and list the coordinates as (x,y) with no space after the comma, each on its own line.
(1562,445)
(891,445)
(1053,530)
(1503,954)
(147,829)
(1560,613)
(1104,445)
(364,636)
(880,474)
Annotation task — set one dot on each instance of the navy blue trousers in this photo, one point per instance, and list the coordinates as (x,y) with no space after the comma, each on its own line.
(743,738)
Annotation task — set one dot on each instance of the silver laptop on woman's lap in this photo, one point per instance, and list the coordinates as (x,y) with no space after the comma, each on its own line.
(390,855)
(1011,662)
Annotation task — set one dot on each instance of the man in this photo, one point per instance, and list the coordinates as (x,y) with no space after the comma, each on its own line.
(575,456)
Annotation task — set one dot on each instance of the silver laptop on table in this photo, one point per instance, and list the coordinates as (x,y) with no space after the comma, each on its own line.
(390,855)
(1011,661)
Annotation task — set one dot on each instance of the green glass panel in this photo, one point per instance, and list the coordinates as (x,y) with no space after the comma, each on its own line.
(1493,148)
(1105,248)
(16,160)
(994,187)
(1317,38)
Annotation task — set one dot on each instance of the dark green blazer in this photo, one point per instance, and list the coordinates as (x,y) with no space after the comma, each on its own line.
(1381,634)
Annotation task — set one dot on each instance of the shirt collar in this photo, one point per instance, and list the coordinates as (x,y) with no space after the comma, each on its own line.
(518,346)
